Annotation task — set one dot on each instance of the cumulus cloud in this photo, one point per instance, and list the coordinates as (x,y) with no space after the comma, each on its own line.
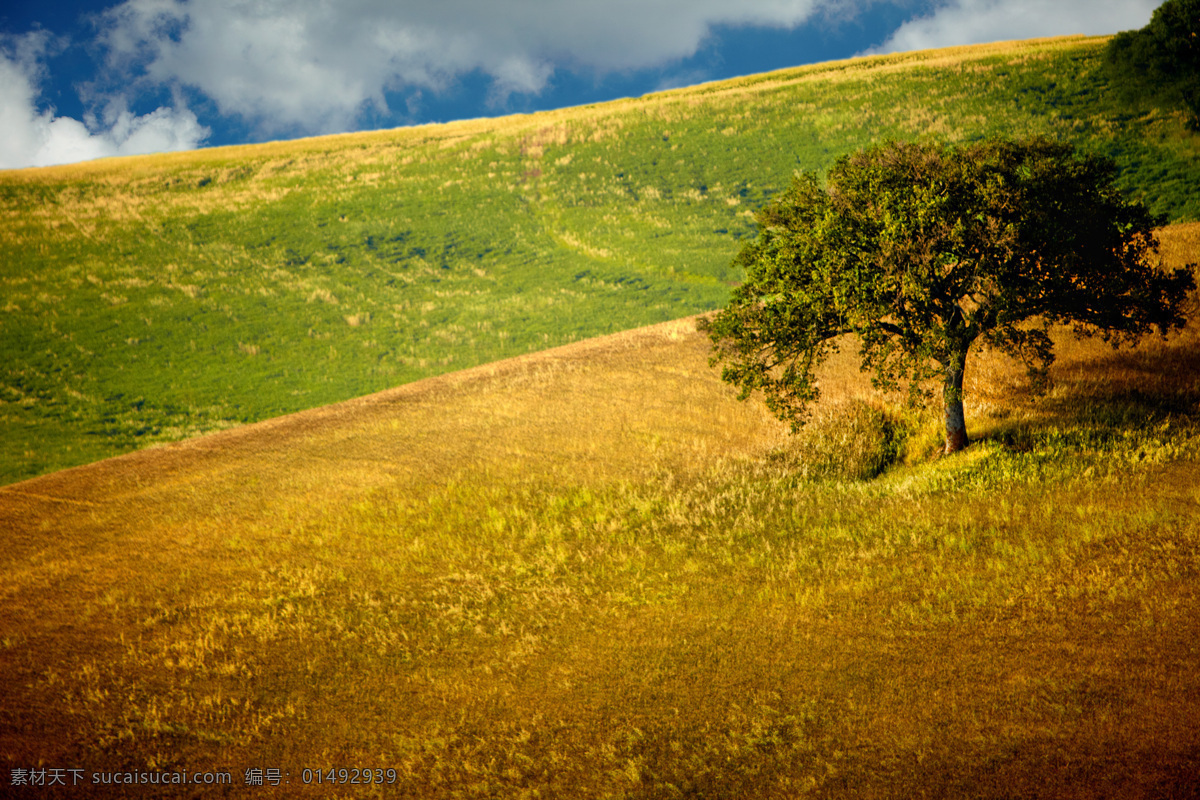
(979,21)
(315,66)
(286,67)
(34,138)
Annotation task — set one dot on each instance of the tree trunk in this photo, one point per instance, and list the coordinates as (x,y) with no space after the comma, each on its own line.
(952,396)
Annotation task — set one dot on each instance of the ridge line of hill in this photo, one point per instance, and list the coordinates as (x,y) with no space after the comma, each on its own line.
(275,433)
(475,125)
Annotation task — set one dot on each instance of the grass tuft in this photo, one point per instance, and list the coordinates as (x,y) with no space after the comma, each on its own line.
(853,440)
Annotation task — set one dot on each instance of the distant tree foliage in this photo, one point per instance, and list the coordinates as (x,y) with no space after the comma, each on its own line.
(923,250)
(1163,57)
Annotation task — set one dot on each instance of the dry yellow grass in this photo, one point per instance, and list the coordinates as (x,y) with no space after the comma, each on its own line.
(590,414)
(606,409)
(557,405)
(588,571)
(372,581)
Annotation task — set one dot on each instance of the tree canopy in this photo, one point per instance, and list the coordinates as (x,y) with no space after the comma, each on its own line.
(921,250)
(1163,57)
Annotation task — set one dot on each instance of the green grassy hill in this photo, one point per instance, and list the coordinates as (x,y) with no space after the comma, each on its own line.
(590,572)
(147,299)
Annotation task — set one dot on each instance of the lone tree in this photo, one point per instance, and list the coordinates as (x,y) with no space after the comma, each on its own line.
(923,250)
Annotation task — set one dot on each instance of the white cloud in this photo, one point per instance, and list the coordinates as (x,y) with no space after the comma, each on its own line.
(979,21)
(322,66)
(34,138)
(316,65)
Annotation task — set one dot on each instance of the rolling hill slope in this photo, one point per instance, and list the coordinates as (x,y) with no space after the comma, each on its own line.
(145,300)
(590,572)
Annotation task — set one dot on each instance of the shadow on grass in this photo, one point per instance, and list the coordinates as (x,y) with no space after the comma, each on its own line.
(1115,396)
(1162,379)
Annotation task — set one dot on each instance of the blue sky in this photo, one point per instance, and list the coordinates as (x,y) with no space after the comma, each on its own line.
(82,79)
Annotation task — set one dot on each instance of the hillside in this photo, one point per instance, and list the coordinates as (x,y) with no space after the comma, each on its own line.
(149,299)
(591,572)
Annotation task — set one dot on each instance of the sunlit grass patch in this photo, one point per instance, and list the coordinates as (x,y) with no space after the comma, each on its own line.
(854,440)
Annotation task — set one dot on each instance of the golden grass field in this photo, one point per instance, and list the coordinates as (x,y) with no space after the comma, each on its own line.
(591,572)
